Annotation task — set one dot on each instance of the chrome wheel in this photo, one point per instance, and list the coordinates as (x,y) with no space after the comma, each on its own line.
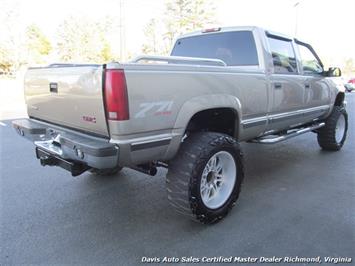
(218,179)
(340,129)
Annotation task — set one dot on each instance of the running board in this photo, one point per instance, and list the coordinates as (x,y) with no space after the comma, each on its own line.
(272,140)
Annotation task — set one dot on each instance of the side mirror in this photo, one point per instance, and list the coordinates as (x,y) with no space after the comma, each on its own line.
(333,72)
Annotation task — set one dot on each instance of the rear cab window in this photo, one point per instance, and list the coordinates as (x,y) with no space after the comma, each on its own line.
(235,48)
(310,63)
(283,55)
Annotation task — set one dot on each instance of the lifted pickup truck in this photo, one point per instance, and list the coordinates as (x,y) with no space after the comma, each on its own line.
(187,112)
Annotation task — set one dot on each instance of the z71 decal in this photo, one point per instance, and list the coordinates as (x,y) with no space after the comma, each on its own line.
(154,108)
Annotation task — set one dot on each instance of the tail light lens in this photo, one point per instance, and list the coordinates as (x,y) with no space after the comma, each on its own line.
(116,97)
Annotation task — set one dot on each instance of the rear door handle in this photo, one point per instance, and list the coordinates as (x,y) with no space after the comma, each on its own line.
(278,85)
(307,86)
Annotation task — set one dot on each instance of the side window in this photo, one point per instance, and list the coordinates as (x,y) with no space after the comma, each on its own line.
(283,56)
(310,64)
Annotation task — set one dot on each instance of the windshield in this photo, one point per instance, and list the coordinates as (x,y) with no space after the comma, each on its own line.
(234,48)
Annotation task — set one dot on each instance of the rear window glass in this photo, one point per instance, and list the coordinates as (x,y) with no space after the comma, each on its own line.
(283,56)
(234,48)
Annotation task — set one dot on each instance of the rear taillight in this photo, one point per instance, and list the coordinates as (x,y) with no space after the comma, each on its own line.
(116,97)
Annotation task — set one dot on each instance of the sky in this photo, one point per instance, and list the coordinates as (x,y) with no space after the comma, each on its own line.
(328,25)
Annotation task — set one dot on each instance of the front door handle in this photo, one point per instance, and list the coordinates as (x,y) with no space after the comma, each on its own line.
(307,86)
(278,85)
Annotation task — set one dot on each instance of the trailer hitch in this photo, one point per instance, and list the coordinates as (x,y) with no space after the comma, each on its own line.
(74,167)
(46,160)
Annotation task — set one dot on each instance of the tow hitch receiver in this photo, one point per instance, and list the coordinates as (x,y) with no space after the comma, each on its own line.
(46,158)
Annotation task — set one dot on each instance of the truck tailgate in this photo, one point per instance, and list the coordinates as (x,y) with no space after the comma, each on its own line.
(68,95)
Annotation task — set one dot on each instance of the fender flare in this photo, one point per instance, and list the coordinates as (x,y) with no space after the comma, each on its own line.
(195,105)
(206,102)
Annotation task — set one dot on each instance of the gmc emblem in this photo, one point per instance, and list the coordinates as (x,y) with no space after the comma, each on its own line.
(89,119)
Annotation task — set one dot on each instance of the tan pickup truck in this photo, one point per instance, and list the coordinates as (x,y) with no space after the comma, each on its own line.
(186,112)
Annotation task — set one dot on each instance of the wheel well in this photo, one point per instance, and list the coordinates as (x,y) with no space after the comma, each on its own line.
(222,120)
(339,99)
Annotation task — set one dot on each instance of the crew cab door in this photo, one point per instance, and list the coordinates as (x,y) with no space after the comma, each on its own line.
(317,91)
(287,85)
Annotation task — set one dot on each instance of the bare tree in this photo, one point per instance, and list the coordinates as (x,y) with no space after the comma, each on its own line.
(83,39)
(38,45)
(151,34)
(11,56)
(180,16)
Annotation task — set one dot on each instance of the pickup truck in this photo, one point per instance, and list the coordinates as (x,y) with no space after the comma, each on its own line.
(187,112)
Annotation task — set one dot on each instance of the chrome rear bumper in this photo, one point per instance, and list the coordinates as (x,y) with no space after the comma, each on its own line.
(58,143)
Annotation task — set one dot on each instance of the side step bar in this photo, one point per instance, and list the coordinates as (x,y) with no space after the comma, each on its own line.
(272,140)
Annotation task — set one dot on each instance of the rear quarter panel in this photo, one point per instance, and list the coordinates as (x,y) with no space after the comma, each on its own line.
(157,95)
(163,98)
